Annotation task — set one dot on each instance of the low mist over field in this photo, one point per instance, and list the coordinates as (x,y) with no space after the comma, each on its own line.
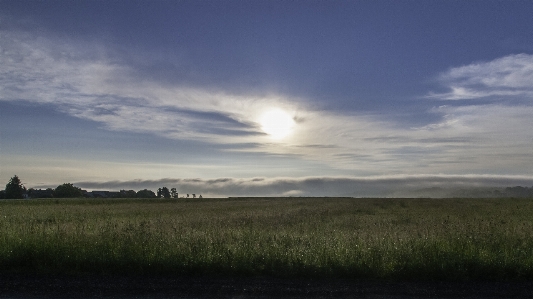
(392,186)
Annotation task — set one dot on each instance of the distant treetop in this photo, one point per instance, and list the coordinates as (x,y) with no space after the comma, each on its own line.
(15,189)
(67,190)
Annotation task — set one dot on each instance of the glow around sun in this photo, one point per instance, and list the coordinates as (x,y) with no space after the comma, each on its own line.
(277,123)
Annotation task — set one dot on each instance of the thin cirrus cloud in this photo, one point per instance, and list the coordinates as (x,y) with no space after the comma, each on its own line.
(497,127)
(509,76)
(98,89)
(90,83)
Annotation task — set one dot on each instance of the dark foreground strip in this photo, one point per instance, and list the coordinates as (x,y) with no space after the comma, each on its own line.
(89,286)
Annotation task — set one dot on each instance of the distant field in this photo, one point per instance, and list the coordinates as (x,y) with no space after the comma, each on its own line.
(462,239)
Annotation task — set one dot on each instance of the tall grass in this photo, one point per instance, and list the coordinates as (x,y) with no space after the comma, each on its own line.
(333,237)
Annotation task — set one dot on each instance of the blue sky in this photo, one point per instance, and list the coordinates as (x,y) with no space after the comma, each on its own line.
(234,98)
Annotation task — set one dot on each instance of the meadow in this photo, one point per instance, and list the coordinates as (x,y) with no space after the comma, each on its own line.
(420,239)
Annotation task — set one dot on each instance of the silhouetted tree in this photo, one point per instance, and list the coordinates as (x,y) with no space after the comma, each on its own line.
(519,191)
(67,190)
(128,194)
(38,193)
(163,192)
(15,189)
(174,193)
(146,194)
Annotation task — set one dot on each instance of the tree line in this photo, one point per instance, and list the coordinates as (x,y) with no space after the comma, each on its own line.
(16,190)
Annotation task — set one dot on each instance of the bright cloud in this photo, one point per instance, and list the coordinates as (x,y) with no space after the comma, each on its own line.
(508,76)
(94,87)
(86,82)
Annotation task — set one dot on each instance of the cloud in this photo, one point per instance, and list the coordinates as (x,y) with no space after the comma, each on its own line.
(393,185)
(87,82)
(90,82)
(509,76)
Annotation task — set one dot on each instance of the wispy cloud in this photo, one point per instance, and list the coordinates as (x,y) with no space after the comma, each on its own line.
(508,76)
(88,82)
(96,88)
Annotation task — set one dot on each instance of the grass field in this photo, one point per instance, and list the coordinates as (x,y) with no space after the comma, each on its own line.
(449,239)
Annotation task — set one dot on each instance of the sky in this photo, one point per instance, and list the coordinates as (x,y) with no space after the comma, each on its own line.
(267,98)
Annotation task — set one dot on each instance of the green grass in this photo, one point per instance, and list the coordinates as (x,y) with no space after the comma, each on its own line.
(449,239)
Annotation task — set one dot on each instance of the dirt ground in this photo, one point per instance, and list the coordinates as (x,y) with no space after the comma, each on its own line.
(90,286)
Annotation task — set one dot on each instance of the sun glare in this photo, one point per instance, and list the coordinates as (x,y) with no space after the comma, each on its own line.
(276,123)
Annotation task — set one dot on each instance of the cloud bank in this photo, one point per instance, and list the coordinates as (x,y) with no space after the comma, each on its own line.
(393,186)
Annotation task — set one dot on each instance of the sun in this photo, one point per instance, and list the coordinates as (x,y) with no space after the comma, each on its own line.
(277,123)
